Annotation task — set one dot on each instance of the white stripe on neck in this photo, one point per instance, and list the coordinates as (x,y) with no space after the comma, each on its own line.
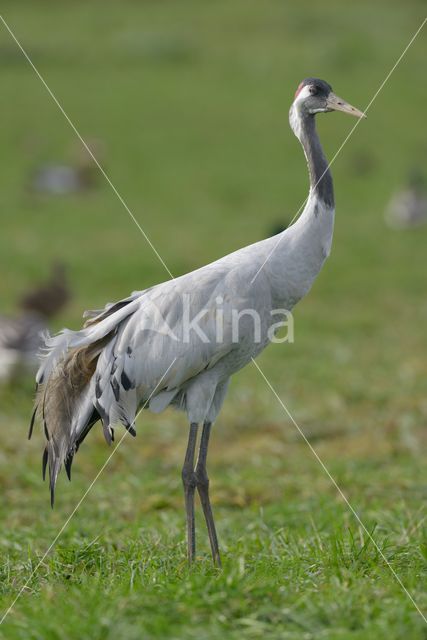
(295,113)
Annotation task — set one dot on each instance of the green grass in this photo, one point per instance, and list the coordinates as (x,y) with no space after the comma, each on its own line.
(191,100)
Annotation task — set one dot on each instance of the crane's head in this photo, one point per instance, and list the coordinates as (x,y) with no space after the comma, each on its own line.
(316,96)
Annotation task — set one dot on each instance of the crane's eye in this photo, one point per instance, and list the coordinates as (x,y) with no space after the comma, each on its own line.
(313,90)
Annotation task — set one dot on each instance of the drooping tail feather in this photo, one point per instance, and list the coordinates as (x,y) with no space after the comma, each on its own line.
(67,402)
(57,401)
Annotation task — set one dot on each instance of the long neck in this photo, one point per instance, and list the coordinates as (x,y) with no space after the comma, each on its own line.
(320,176)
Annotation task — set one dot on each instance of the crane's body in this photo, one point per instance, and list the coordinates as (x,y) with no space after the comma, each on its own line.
(142,351)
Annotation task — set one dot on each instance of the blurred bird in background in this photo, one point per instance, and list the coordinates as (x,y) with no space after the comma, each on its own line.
(408,207)
(48,299)
(64,179)
(275,228)
(21,335)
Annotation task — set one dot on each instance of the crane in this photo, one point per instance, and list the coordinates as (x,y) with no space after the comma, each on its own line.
(164,346)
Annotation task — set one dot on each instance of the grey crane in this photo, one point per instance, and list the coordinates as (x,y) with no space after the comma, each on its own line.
(162,346)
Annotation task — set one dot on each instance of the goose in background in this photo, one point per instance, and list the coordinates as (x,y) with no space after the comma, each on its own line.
(408,206)
(21,335)
(64,179)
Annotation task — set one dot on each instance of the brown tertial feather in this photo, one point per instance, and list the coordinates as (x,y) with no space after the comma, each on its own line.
(57,400)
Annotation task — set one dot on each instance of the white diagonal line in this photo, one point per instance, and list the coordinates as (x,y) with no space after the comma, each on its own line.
(123,202)
(346,139)
(342,494)
(67,521)
(88,149)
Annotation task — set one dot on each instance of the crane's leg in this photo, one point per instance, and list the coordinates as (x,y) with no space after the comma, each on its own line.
(202,483)
(189,482)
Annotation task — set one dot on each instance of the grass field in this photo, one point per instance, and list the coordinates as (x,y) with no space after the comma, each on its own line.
(191,100)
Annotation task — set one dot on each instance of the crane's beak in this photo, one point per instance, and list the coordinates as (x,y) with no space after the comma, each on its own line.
(334,103)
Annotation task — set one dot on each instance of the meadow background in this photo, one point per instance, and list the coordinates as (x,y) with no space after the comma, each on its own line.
(190,100)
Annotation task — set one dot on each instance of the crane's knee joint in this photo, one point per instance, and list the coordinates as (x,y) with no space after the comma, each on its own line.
(188,478)
(202,478)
